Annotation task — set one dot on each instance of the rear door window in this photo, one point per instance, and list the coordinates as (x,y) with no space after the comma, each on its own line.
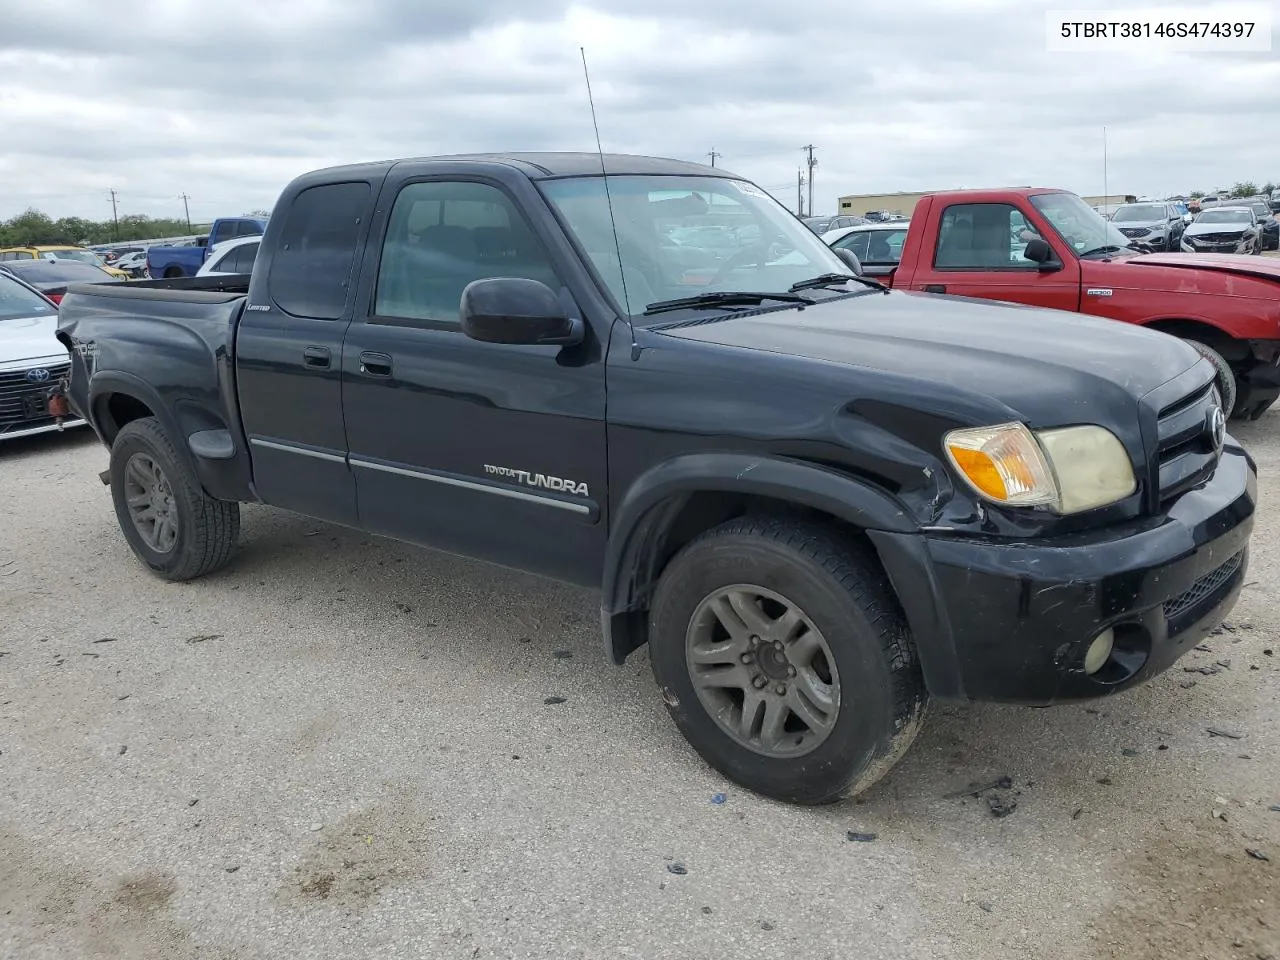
(311,265)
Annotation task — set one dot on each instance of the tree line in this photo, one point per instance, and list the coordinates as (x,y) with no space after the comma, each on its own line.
(34,228)
(1243,188)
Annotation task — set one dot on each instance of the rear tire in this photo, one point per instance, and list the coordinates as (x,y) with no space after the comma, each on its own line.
(833,644)
(176,529)
(1226,377)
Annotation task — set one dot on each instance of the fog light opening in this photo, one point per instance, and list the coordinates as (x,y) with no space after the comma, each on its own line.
(1099,652)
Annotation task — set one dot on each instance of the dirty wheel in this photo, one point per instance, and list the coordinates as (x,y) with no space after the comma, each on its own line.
(172,525)
(784,659)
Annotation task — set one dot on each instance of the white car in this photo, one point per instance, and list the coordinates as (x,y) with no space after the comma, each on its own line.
(31,361)
(231,257)
(134,264)
(877,246)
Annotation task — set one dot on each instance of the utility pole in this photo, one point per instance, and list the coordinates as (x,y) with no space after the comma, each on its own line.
(115,219)
(812,163)
(186,210)
(800,193)
(713,156)
(1106,201)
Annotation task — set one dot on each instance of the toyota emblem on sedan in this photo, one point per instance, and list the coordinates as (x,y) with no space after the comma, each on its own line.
(1216,422)
(38,375)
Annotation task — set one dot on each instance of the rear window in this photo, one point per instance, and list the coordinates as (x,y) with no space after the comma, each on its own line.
(311,266)
(17,301)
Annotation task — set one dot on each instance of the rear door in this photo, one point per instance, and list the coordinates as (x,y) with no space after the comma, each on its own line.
(289,352)
(487,450)
(977,252)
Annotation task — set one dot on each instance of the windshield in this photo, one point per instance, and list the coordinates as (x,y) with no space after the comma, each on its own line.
(683,236)
(1139,211)
(1079,224)
(16,301)
(1224,215)
(83,256)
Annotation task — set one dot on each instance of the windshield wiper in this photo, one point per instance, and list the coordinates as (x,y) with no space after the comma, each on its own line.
(724,298)
(830,278)
(1109,248)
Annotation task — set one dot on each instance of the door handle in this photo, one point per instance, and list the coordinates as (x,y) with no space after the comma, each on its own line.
(935,288)
(375,364)
(316,356)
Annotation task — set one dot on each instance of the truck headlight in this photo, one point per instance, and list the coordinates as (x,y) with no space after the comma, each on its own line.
(1068,469)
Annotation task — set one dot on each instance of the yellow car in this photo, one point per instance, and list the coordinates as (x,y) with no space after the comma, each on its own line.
(59,253)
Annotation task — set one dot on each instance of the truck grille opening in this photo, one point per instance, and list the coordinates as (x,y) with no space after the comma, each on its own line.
(22,394)
(1186,452)
(1187,607)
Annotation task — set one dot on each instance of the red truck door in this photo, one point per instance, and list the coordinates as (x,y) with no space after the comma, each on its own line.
(975,250)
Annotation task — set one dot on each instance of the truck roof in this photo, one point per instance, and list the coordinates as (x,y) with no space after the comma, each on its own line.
(996,193)
(544,166)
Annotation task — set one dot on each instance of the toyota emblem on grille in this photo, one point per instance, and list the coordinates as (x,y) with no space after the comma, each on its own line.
(1216,424)
(38,375)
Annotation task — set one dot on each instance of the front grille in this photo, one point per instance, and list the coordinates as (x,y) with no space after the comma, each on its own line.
(1133,231)
(1186,451)
(1216,238)
(1187,607)
(22,401)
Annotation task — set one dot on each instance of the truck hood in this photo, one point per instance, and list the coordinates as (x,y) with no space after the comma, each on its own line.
(29,338)
(1047,367)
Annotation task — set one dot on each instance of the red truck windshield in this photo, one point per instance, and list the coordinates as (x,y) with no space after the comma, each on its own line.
(1079,224)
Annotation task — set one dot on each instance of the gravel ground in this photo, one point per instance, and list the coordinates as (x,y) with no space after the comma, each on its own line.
(340,747)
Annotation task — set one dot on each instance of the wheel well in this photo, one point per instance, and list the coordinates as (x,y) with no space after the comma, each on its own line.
(672,524)
(1232,350)
(117,409)
(171,272)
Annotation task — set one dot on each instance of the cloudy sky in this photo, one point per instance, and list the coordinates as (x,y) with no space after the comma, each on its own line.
(226,101)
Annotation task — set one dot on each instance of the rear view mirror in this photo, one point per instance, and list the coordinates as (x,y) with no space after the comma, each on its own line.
(517,311)
(850,260)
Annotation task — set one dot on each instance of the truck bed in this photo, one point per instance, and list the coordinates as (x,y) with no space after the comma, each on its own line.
(212,289)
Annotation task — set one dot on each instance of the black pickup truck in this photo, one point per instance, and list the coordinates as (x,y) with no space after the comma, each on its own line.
(817,501)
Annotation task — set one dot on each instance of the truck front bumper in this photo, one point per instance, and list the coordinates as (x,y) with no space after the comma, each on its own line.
(1011,621)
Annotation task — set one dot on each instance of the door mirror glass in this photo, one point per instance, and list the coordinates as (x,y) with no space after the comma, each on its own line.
(516,310)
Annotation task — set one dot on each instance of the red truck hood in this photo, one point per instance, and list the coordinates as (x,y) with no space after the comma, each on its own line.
(1237,275)
(1266,267)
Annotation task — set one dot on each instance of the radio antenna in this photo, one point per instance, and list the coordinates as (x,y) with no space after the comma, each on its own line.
(608,198)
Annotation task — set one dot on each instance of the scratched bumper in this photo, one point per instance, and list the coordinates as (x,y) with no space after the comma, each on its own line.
(1018,617)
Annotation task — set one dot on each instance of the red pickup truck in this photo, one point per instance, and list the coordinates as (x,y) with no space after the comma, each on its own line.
(1048,248)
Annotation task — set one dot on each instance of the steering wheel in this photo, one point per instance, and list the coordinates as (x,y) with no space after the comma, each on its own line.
(757,253)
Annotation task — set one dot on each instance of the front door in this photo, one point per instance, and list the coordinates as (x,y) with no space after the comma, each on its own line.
(978,253)
(480,449)
(289,353)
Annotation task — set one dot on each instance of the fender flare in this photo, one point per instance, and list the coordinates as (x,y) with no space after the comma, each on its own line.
(654,499)
(107,382)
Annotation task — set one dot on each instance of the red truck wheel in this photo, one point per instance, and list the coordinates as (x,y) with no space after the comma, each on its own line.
(1226,378)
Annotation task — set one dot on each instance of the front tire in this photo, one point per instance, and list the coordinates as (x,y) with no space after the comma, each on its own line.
(785,660)
(1226,376)
(176,529)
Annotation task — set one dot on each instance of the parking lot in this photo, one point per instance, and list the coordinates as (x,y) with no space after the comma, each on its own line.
(342,746)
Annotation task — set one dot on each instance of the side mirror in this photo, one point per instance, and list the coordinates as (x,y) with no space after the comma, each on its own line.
(850,260)
(1039,251)
(516,311)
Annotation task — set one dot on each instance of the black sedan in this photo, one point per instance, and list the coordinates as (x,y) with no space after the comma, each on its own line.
(1269,225)
(51,277)
(1223,230)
